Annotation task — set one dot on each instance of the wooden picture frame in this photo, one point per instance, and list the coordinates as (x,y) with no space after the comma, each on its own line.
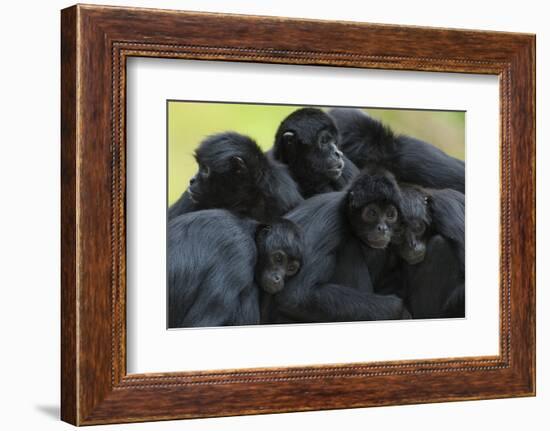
(96,41)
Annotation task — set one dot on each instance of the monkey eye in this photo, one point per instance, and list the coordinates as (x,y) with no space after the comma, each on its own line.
(418,228)
(325,138)
(205,170)
(293,268)
(370,213)
(278,257)
(391,213)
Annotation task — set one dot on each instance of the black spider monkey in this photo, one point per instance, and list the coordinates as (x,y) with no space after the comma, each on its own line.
(307,141)
(343,233)
(366,140)
(235,174)
(220,266)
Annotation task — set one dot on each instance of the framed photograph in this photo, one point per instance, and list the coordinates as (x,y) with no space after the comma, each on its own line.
(264,214)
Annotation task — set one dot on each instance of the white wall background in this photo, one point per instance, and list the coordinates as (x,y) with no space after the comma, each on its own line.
(29,215)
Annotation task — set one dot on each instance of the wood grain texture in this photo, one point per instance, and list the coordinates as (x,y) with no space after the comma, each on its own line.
(69,397)
(96,41)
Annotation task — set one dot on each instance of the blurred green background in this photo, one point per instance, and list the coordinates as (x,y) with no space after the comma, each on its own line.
(190,122)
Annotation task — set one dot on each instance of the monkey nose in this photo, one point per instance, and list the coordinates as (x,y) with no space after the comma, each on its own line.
(337,166)
(277,278)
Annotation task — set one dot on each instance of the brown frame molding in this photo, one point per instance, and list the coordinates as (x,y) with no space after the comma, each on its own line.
(95,43)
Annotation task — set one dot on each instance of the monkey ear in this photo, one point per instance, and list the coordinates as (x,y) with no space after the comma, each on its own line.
(263,229)
(238,164)
(288,138)
(285,150)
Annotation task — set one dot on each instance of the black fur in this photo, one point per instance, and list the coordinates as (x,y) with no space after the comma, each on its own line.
(432,286)
(307,142)
(455,306)
(211,256)
(366,140)
(334,284)
(363,246)
(215,261)
(284,239)
(435,285)
(374,186)
(240,178)
(281,234)
(447,210)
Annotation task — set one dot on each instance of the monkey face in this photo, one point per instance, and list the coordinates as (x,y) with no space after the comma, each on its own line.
(329,157)
(280,250)
(412,238)
(411,241)
(317,151)
(201,182)
(375,223)
(276,268)
(307,141)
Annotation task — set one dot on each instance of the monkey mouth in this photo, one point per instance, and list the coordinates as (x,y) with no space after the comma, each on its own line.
(193,196)
(414,259)
(335,169)
(335,173)
(377,243)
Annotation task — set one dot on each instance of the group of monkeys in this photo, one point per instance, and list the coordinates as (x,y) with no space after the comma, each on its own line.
(342,220)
